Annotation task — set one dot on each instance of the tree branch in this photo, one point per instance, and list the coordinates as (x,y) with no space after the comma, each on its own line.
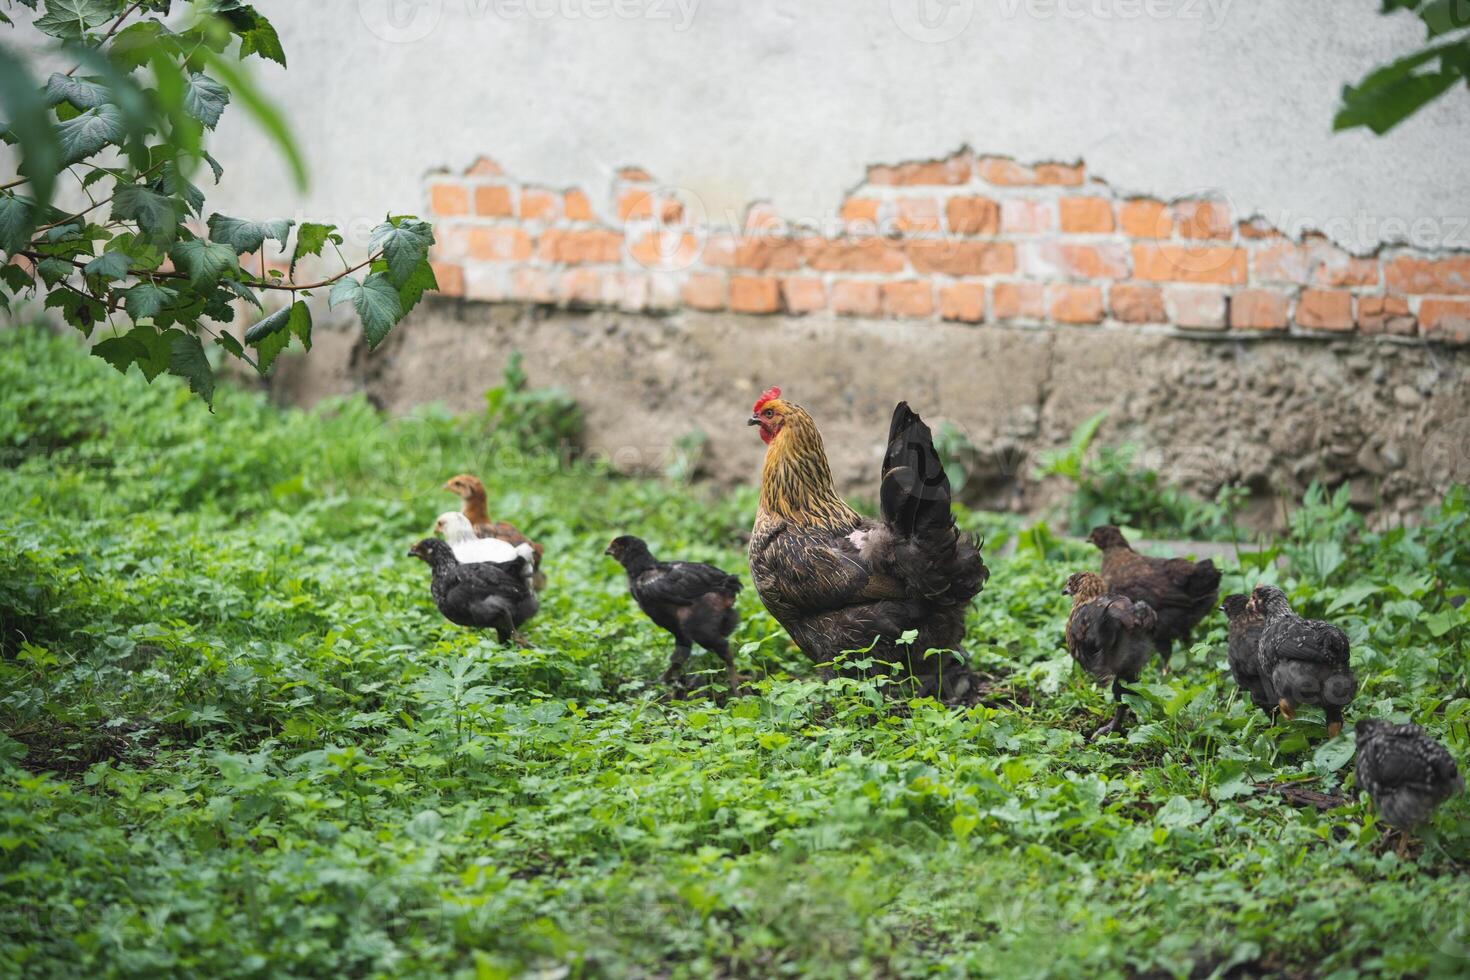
(111,31)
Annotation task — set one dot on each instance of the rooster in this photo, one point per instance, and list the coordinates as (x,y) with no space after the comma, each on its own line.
(1110,637)
(472,492)
(1181,592)
(1305,661)
(894,588)
(693,601)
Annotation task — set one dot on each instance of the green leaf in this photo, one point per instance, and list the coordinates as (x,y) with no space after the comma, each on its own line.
(205,99)
(156,214)
(376,301)
(108,265)
(79,310)
(84,93)
(272,323)
(70,19)
(247,236)
(1352,595)
(311,238)
(257,36)
(404,246)
(270,344)
(143,346)
(205,263)
(146,299)
(88,133)
(16,278)
(1445,16)
(422,280)
(243,291)
(188,361)
(300,324)
(172,183)
(15,224)
(54,270)
(1389,95)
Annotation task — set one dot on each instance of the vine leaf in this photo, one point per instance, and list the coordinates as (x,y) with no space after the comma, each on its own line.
(404,245)
(70,19)
(15,224)
(155,213)
(205,263)
(311,238)
(205,99)
(247,236)
(376,301)
(108,266)
(147,299)
(84,93)
(88,133)
(143,346)
(188,360)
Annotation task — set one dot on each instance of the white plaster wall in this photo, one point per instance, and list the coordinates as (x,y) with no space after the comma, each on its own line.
(787,100)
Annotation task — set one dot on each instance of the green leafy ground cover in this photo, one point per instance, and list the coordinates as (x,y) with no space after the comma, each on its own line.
(239,741)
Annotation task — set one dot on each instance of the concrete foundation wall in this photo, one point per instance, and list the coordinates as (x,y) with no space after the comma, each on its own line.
(1390,418)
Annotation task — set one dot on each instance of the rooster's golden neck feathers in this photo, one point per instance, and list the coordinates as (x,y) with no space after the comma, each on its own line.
(796,481)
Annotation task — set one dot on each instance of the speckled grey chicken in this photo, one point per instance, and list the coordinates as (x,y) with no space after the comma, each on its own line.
(691,600)
(1305,661)
(1110,636)
(1180,592)
(1405,772)
(838,581)
(1244,651)
(480,595)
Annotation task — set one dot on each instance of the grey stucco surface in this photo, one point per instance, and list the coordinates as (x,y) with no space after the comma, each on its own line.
(787,101)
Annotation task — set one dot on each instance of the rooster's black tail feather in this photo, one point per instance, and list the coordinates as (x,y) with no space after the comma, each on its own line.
(914,494)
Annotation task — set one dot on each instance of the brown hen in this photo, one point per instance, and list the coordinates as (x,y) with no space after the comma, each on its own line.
(1181,592)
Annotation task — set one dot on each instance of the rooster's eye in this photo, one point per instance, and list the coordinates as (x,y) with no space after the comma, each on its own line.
(768,413)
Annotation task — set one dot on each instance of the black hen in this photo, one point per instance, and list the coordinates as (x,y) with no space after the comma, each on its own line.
(1405,772)
(1305,661)
(1244,651)
(1181,592)
(482,595)
(693,601)
(1110,636)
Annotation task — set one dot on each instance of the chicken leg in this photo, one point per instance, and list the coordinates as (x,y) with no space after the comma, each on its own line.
(1119,711)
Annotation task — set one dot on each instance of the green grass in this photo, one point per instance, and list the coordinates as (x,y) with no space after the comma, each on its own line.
(239,740)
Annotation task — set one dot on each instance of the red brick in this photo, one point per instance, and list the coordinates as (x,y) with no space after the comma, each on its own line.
(1450,276)
(956,170)
(704,292)
(1323,309)
(634,205)
(1386,314)
(665,250)
(577,207)
(761,219)
(972,215)
(635,175)
(1144,217)
(754,294)
(1050,260)
(1076,304)
(803,294)
(1446,319)
(537,205)
(1087,215)
(1019,301)
(1184,263)
(1340,269)
(1025,217)
(852,255)
(450,278)
(913,298)
(498,244)
(860,210)
(596,245)
(449,200)
(1132,303)
(581,287)
(777,254)
(1197,309)
(963,301)
(1258,309)
(1007,172)
(1257,228)
(852,297)
(1203,219)
(531,285)
(493,201)
(484,167)
(961,258)
(917,214)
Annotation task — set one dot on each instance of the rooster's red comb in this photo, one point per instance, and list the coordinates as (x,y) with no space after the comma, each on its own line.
(770,394)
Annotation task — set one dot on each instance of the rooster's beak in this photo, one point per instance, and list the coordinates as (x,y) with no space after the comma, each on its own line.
(1066,590)
(753,420)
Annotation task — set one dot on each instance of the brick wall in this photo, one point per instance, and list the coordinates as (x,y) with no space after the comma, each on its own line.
(969,239)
